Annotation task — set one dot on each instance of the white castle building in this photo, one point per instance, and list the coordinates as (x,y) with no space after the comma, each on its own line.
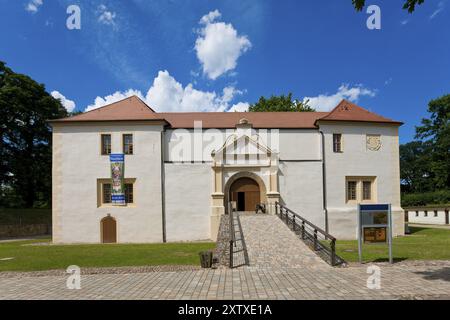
(180,170)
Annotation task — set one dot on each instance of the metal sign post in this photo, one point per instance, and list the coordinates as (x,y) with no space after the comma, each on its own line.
(374,226)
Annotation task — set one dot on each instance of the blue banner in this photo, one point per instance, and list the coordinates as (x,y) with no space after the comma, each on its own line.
(117,179)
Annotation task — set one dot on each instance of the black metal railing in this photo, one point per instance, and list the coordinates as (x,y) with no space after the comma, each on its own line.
(237,245)
(320,241)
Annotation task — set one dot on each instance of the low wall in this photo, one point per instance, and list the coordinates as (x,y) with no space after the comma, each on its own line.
(427,215)
(24,230)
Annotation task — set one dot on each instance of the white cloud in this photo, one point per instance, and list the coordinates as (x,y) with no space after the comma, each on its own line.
(438,10)
(325,102)
(106,17)
(210,17)
(68,104)
(240,107)
(33,5)
(219,46)
(404,22)
(168,95)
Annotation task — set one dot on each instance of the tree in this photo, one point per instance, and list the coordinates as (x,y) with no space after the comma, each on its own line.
(436,132)
(25,137)
(415,172)
(280,103)
(409,5)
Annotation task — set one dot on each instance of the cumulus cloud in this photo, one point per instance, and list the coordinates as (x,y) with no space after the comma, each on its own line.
(106,17)
(326,102)
(218,46)
(240,107)
(33,5)
(168,95)
(68,104)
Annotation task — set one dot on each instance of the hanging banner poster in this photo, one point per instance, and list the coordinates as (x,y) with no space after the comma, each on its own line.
(117,176)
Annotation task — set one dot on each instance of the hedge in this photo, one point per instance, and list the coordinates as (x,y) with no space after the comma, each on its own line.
(441,197)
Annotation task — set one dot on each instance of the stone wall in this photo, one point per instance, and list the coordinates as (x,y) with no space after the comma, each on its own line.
(26,230)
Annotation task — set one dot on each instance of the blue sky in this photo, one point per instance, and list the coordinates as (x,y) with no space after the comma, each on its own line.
(192,55)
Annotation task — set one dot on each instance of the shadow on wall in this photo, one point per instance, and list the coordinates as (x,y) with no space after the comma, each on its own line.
(440,274)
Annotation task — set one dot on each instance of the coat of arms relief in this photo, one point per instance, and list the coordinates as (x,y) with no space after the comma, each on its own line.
(373,142)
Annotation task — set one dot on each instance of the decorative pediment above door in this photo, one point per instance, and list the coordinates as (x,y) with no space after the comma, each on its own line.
(244,150)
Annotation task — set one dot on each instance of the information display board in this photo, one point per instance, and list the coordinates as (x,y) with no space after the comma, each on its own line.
(374,226)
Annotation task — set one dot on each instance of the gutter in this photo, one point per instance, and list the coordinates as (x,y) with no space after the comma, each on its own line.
(324,183)
(163,194)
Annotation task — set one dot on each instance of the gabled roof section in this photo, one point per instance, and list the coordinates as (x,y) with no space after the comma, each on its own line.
(348,111)
(129,109)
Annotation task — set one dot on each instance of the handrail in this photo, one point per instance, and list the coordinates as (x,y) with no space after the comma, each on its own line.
(326,234)
(310,237)
(232,232)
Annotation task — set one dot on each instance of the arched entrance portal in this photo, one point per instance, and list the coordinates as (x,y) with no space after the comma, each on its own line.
(246,193)
(108,230)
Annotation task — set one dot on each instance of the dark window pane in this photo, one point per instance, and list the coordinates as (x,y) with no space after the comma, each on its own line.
(106,144)
(106,193)
(337,142)
(367,190)
(129,193)
(128,144)
(351,190)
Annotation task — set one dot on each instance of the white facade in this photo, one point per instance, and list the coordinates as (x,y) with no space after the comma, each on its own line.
(179,195)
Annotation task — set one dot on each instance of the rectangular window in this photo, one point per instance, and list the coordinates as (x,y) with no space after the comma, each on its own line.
(129,193)
(360,189)
(435,213)
(337,142)
(106,193)
(351,190)
(367,190)
(417,213)
(425,213)
(106,144)
(105,190)
(128,144)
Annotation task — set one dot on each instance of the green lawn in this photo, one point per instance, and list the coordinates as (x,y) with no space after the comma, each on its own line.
(47,257)
(25,216)
(421,244)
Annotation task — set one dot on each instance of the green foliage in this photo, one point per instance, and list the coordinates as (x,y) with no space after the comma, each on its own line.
(424,162)
(280,103)
(25,139)
(409,5)
(436,132)
(440,197)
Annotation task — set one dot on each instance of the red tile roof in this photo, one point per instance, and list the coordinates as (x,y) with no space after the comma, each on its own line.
(133,108)
(348,111)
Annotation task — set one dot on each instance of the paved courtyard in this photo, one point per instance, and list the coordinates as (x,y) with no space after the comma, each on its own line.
(398,282)
(281,267)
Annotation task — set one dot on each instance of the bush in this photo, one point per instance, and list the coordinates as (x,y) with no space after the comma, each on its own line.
(441,197)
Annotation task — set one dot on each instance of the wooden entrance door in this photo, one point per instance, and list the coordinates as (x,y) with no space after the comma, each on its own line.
(246,193)
(109,230)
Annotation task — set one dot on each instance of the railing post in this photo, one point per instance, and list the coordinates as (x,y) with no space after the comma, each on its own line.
(315,239)
(333,252)
(287,217)
(276,208)
(293,223)
(303,230)
(231,254)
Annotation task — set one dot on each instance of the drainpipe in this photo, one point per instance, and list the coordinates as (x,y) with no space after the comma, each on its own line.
(324,183)
(163,195)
